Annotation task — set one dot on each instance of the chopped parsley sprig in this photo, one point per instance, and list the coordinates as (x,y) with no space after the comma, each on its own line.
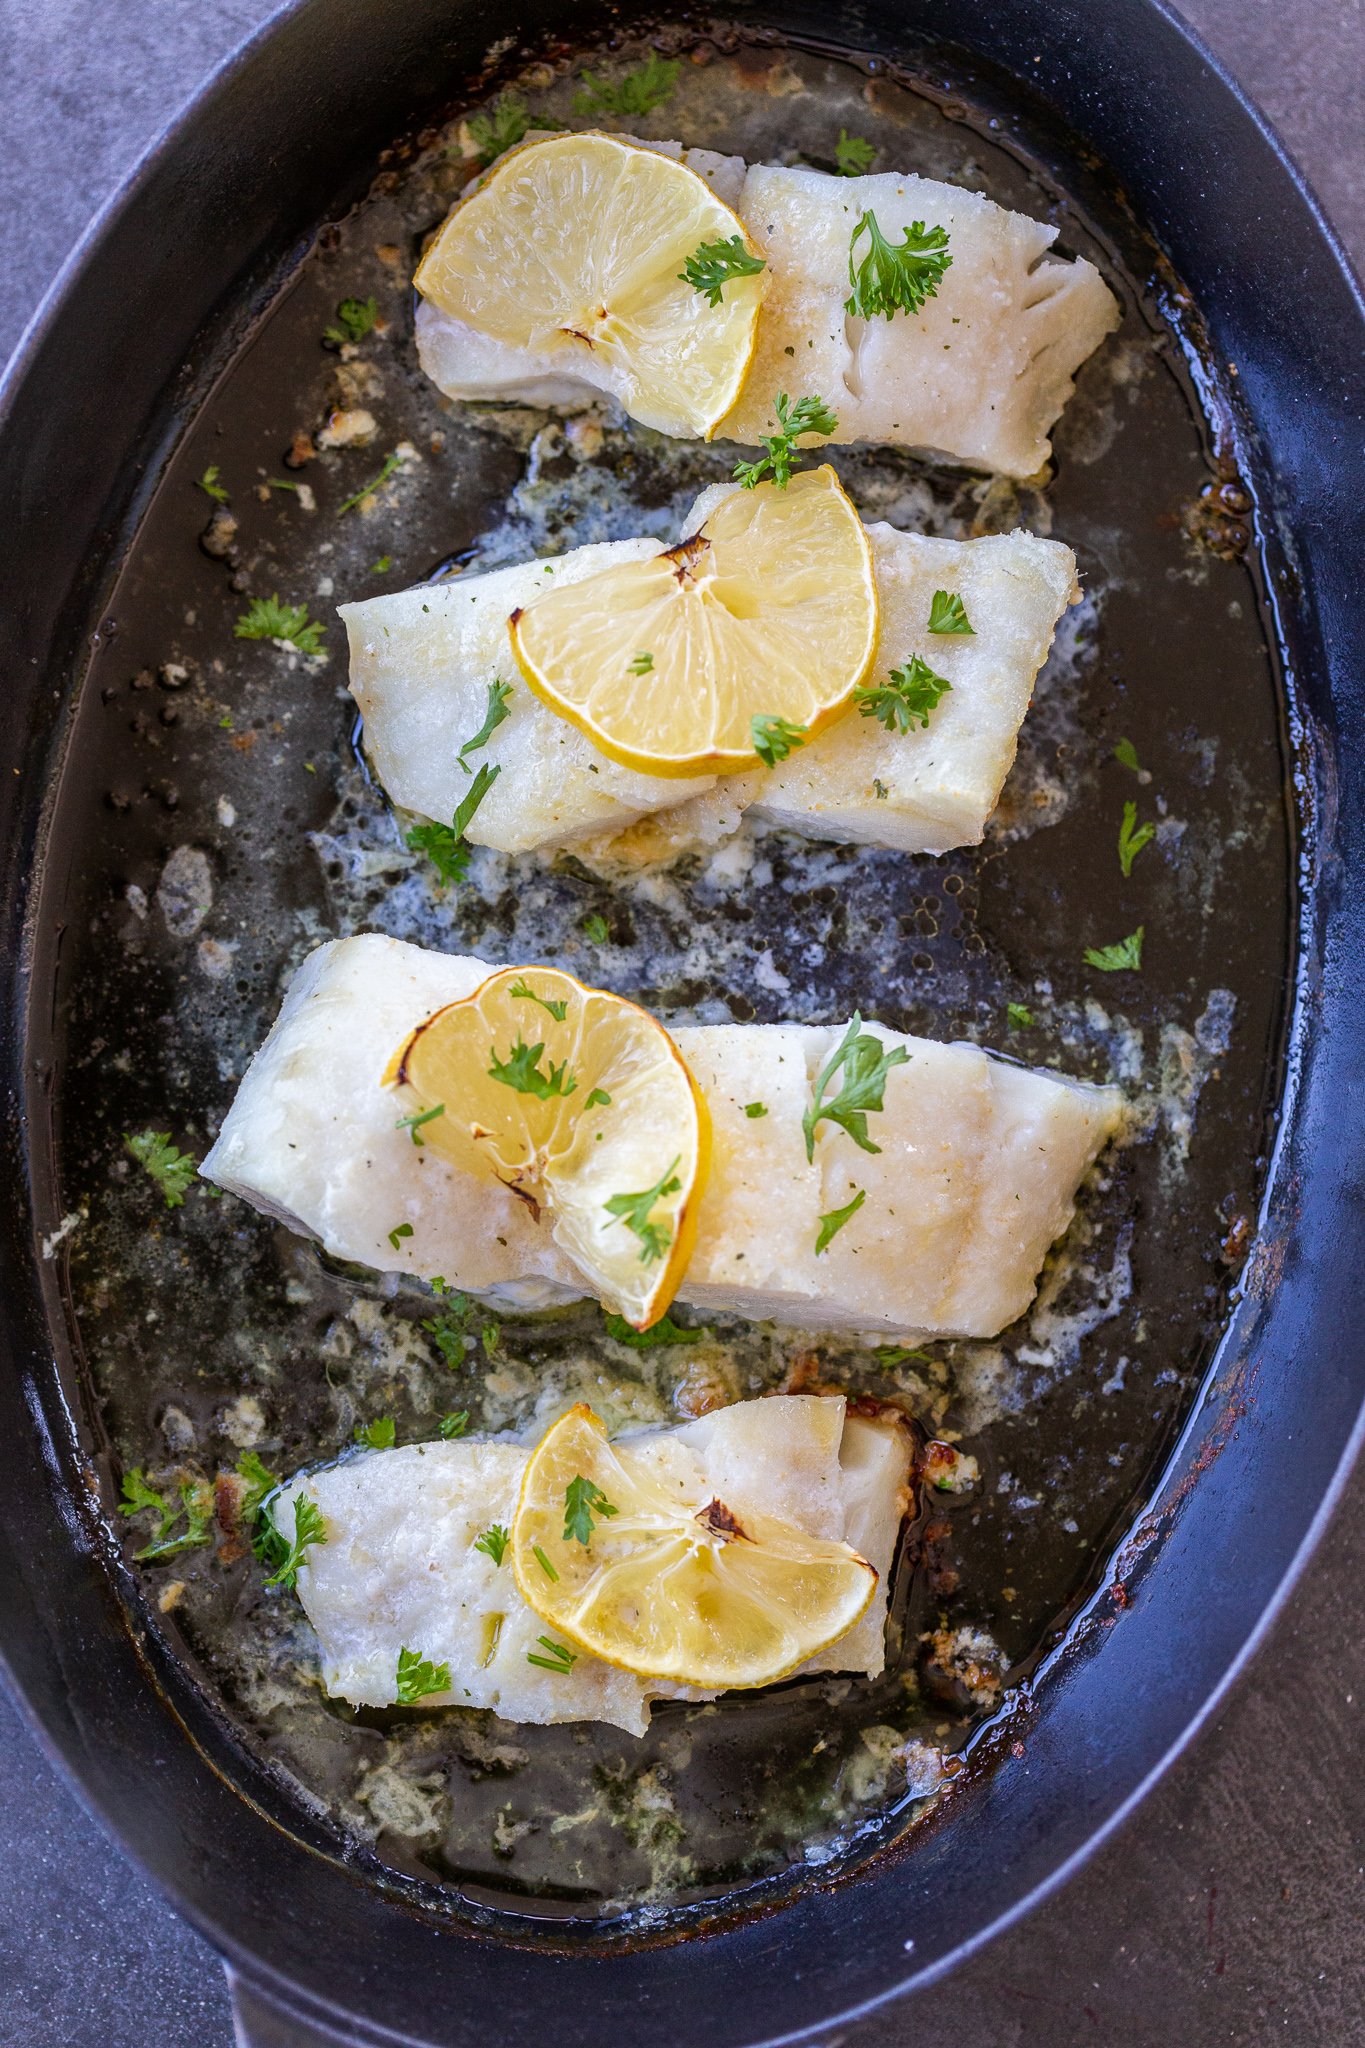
(1132,838)
(1123,955)
(774,738)
(521,1070)
(413,1126)
(665,1331)
(393,461)
(267,618)
(355,319)
(454,1426)
(633,1211)
(194,1508)
(809,415)
(638,92)
(172,1171)
(493,1542)
(584,1499)
(906,698)
(890,278)
(379,1435)
(864,1064)
(418,1676)
(498,694)
(208,483)
(522,991)
(948,614)
(309,1528)
(853,154)
(444,845)
(833,1223)
(503,125)
(712,264)
(558,1656)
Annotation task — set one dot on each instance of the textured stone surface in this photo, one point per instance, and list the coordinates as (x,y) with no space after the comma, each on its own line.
(1229,1909)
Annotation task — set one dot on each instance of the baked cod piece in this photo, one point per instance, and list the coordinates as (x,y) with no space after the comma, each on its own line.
(977,1174)
(423,660)
(399,1570)
(980,374)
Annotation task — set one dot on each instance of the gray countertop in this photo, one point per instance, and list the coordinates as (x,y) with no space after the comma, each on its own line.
(1231,1908)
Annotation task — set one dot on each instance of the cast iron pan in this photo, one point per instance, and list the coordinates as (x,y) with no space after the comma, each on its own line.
(1226,647)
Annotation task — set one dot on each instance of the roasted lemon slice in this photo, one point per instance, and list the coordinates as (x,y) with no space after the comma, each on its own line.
(738,645)
(581,1104)
(617,1550)
(577,248)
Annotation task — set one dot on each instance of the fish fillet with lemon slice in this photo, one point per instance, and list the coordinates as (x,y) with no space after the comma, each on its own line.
(400,1569)
(579,1103)
(977,1173)
(574,249)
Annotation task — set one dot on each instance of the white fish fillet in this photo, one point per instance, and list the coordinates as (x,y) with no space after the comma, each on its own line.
(979,374)
(399,1571)
(422,661)
(977,1174)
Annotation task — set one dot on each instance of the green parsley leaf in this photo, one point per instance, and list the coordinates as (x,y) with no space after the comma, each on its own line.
(523,992)
(502,126)
(665,1331)
(309,1528)
(559,1657)
(259,1481)
(1125,954)
(712,264)
(853,154)
(521,1070)
(453,1426)
(638,92)
(498,694)
(493,1542)
(894,278)
(864,1066)
(596,929)
(598,1098)
(583,1500)
(543,1561)
(172,1171)
(490,1336)
(948,614)
(267,619)
(392,462)
(633,1211)
(755,1109)
(833,1223)
(379,1435)
(139,1497)
(774,738)
(355,319)
(382,566)
(809,415)
(641,665)
(413,1124)
(208,483)
(399,1232)
(889,1356)
(444,845)
(417,1677)
(1125,753)
(1132,838)
(905,699)
(1020,1016)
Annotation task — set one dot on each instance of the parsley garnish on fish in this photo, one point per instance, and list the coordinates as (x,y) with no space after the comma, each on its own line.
(266,618)
(582,1500)
(633,1211)
(1123,954)
(208,483)
(194,1508)
(379,1435)
(665,1331)
(1132,838)
(453,1426)
(641,665)
(559,1657)
(774,738)
(523,992)
(853,154)
(521,1070)
(398,1233)
(893,278)
(173,1171)
(1020,1016)
(392,462)
(833,1223)
(864,1066)
(809,415)
(493,1542)
(543,1561)
(599,1099)
(355,319)
(309,1528)
(755,1109)
(418,1676)
(889,1356)
(413,1124)
(712,264)
(596,929)
(498,694)
(444,845)
(638,92)
(905,699)
(948,614)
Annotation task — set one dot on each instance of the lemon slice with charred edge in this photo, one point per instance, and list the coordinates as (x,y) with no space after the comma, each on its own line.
(576,248)
(755,630)
(611,1547)
(582,1105)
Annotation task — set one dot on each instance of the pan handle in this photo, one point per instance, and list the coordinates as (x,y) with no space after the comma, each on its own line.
(259,2020)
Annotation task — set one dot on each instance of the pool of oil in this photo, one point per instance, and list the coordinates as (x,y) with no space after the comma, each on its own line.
(228,824)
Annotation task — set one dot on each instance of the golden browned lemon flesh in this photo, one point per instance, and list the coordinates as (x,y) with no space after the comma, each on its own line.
(582,1105)
(576,247)
(612,1547)
(761,623)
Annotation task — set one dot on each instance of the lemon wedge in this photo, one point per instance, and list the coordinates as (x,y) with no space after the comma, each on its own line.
(581,1104)
(740,644)
(576,247)
(614,1549)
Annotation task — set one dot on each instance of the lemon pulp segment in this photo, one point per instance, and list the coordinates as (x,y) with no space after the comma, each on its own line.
(768,611)
(577,246)
(582,1105)
(669,1585)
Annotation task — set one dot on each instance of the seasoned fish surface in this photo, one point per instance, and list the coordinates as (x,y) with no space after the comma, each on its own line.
(976,1176)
